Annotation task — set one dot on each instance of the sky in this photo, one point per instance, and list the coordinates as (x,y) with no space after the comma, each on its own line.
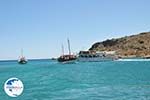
(40,27)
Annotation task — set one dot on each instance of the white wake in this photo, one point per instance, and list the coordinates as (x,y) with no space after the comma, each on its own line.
(133,60)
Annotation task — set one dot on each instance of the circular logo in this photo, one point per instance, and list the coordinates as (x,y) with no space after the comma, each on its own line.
(13,87)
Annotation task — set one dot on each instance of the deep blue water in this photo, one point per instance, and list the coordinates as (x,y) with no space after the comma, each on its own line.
(50,80)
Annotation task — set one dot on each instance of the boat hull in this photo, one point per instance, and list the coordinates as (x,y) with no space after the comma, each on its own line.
(22,62)
(67,59)
(69,62)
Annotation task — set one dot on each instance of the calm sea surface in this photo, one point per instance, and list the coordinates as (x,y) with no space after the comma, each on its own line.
(49,80)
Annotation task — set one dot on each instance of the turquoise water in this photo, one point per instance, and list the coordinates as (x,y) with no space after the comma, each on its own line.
(49,80)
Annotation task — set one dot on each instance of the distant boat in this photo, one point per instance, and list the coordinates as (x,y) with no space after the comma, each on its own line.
(68,58)
(22,59)
(53,58)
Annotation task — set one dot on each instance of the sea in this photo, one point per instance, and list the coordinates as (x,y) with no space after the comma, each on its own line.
(50,80)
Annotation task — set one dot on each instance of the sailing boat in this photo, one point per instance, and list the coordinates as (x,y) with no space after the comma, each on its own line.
(68,58)
(22,59)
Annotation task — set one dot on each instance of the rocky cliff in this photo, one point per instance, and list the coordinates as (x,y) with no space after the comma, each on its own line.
(128,46)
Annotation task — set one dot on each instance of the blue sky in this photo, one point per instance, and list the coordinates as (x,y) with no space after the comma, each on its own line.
(41,26)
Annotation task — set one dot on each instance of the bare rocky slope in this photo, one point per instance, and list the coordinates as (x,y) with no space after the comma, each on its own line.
(128,46)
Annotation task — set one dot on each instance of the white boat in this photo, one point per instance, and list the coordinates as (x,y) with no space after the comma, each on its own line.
(94,56)
(22,59)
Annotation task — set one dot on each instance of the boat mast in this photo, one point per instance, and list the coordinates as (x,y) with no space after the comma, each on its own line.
(69,47)
(62,49)
(21,52)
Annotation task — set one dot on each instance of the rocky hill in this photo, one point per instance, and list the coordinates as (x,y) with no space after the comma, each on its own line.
(128,46)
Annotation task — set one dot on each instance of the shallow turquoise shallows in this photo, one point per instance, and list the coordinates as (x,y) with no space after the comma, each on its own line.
(50,80)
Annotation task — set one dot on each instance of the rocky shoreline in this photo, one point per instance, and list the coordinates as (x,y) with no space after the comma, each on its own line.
(127,47)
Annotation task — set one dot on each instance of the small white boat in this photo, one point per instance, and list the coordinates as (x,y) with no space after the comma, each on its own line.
(22,59)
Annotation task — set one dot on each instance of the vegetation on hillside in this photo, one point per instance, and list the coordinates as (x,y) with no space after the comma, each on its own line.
(135,45)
